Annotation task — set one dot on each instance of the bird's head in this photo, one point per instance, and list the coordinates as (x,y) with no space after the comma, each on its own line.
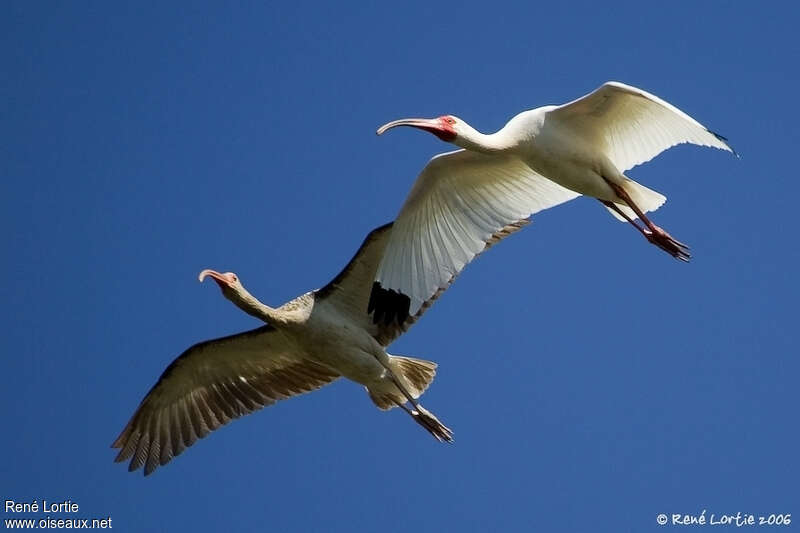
(233,290)
(447,127)
(228,282)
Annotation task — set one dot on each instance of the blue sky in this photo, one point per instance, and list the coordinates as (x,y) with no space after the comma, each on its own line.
(592,381)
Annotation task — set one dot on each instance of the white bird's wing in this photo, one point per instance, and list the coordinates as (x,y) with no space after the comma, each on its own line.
(462,202)
(632,126)
(349,292)
(209,385)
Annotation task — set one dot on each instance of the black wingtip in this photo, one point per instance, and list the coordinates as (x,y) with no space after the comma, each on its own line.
(725,140)
(388,305)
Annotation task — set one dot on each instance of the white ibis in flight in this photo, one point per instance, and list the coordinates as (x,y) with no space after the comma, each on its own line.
(541,158)
(307,343)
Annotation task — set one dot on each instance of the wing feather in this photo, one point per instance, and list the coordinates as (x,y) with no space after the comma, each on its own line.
(209,385)
(632,126)
(459,202)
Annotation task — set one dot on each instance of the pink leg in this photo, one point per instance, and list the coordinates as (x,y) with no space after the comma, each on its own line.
(620,212)
(656,235)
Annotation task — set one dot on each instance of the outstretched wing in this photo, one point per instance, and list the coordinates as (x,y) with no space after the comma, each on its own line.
(209,385)
(349,291)
(632,126)
(461,202)
(352,291)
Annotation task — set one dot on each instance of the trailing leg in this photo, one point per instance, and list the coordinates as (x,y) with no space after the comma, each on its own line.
(655,235)
(426,419)
(405,380)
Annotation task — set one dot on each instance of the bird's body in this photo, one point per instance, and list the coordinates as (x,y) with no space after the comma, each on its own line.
(327,337)
(313,330)
(562,157)
(539,159)
(308,342)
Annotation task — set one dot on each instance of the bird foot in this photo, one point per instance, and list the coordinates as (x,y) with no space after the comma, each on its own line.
(426,419)
(668,243)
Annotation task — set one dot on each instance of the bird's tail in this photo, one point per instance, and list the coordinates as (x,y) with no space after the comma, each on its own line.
(646,199)
(417,375)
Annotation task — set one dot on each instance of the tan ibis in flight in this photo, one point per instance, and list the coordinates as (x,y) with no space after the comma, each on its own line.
(306,343)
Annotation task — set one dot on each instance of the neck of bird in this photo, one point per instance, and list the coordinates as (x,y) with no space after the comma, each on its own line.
(494,143)
(253,307)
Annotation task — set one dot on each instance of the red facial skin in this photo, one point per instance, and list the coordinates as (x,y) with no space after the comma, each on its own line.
(442,127)
(445,129)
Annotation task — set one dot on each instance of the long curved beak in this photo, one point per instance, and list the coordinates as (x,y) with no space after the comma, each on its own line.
(208,272)
(429,124)
(219,278)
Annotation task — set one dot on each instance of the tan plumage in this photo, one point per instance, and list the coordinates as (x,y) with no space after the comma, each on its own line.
(209,385)
(307,343)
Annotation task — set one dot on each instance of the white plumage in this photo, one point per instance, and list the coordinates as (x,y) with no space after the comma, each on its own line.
(541,158)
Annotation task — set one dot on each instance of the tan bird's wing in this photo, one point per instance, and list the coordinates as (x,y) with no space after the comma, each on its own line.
(209,385)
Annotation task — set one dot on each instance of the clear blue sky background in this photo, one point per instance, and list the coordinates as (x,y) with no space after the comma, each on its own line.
(591,380)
